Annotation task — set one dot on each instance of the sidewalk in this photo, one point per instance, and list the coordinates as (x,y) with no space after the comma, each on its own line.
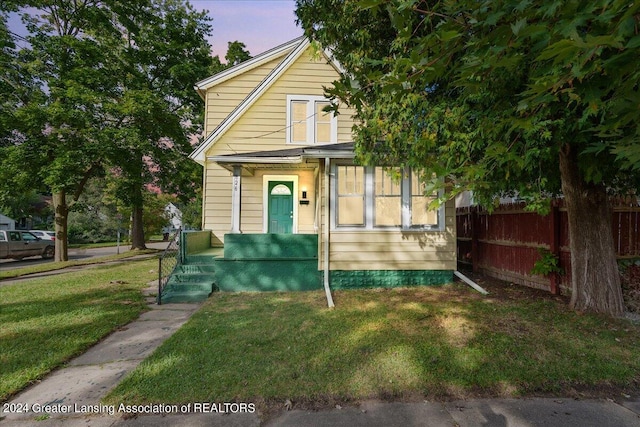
(86,379)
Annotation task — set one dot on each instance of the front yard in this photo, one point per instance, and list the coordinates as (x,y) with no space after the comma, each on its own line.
(427,342)
(47,321)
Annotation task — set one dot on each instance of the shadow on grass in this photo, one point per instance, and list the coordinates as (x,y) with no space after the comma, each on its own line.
(41,330)
(391,344)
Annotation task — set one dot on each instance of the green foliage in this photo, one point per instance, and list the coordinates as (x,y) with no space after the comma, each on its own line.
(500,97)
(489,93)
(99,213)
(94,218)
(154,216)
(160,113)
(547,264)
(102,88)
(192,213)
(236,53)
(19,204)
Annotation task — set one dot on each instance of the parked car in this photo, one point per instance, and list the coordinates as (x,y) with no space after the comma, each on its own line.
(21,244)
(43,234)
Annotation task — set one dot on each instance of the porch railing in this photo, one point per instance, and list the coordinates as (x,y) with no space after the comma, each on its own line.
(167,263)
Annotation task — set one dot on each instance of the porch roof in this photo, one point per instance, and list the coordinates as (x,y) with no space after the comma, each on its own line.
(283,158)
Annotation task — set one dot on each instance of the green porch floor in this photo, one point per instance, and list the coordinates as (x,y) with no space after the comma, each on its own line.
(216,252)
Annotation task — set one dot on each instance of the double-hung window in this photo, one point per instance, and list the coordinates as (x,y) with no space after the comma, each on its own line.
(308,123)
(383,198)
(388,197)
(350,194)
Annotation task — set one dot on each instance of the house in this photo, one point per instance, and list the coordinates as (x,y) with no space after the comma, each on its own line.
(284,198)
(7,223)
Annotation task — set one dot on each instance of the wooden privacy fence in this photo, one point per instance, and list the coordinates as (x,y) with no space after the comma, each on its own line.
(505,244)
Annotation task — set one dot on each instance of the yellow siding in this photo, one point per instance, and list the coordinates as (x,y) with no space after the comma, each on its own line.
(218,205)
(217,201)
(224,97)
(262,127)
(393,249)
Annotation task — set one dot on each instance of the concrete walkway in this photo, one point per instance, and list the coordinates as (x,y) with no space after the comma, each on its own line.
(75,391)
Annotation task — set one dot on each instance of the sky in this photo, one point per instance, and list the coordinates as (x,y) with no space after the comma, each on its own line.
(259,24)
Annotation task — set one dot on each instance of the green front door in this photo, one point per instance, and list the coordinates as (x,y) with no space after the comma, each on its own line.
(280,207)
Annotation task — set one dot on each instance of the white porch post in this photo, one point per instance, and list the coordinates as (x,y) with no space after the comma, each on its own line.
(235,201)
(326,229)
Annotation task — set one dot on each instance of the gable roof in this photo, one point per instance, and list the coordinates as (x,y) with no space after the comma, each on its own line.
(296,48)
(258,60)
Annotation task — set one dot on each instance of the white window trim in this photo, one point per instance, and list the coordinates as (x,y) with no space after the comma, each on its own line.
(369,200)
(311,128)
(265,200)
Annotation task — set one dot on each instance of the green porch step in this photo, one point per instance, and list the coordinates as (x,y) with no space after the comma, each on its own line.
(195,268)
(178,296)
(203,285)
(193,281)
(185,278)
(201,260)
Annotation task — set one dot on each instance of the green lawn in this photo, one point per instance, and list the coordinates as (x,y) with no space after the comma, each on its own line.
(53,266)
(436,342)
(47,321)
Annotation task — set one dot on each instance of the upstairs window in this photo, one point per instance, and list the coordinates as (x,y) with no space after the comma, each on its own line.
(307,123)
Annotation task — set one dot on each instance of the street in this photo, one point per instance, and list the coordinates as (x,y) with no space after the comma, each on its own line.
(75,254)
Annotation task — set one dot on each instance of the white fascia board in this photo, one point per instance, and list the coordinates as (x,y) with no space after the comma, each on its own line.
(319,153)
(255,160)
(333,61)
(198,153)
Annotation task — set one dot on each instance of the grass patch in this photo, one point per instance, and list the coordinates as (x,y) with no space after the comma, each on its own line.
(438,342)
(53,266)
(47,321)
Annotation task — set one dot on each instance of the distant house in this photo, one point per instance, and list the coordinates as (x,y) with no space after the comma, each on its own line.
(174,215)
(7,223)
(283,194)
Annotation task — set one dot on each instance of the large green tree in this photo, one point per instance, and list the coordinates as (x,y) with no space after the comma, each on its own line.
(106,88)
(59,133)
(7,71)
(532,97)
(159,113)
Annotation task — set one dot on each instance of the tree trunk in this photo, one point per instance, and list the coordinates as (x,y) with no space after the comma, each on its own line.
(61,211)
(595,277)
(137,229)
